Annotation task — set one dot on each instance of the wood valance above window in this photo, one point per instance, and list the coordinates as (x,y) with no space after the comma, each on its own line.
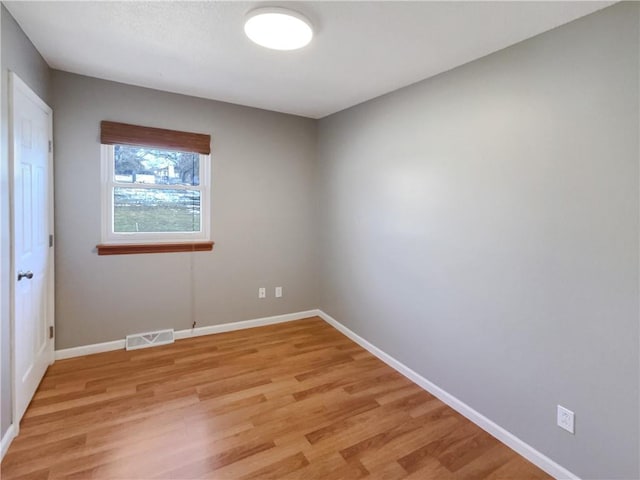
(124,134)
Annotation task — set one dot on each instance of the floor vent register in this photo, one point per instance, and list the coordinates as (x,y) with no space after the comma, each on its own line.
(149,339)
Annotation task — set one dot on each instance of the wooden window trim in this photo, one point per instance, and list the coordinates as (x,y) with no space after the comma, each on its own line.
(133,248)
(112,133)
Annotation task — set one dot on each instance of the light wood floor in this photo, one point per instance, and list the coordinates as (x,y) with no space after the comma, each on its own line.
(296,400)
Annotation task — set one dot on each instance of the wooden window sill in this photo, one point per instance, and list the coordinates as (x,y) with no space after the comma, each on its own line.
(131,248)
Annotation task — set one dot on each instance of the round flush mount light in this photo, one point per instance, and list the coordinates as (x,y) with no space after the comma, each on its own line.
(278,28)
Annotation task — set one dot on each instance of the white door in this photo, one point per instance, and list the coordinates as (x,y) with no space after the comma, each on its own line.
(32,222)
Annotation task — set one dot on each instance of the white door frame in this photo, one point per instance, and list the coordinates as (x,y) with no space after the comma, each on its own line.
(16,83)
(5,437)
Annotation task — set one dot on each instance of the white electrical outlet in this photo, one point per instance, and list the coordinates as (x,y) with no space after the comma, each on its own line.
(262,292)
(566,419)
(278,292)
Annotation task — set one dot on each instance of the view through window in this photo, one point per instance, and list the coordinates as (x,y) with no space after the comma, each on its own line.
(156,190)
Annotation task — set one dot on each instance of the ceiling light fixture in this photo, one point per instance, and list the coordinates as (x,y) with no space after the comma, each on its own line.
(278,28)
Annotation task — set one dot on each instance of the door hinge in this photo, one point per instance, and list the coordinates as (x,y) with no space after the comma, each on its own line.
(50,241)
(51,331)
(50,146)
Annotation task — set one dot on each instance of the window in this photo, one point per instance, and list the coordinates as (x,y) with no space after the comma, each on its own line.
(155,190)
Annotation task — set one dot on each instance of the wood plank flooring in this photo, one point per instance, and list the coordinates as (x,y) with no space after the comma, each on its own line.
(291,401)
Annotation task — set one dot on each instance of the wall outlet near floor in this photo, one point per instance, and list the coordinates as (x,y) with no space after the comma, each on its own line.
(262,292)
(565,419)
(278,292)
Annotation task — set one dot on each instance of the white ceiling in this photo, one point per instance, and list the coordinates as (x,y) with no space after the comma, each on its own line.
(361,49)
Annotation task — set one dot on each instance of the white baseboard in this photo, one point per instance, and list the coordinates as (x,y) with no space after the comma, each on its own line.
(258,322)
(194,332)
(89,349)
(7,438)
(506,437)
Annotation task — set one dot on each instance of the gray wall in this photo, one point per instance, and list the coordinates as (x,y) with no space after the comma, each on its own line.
(263,217)
(482,227)
(18,55)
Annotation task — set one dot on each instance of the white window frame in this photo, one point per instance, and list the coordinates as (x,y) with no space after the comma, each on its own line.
(110,237)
